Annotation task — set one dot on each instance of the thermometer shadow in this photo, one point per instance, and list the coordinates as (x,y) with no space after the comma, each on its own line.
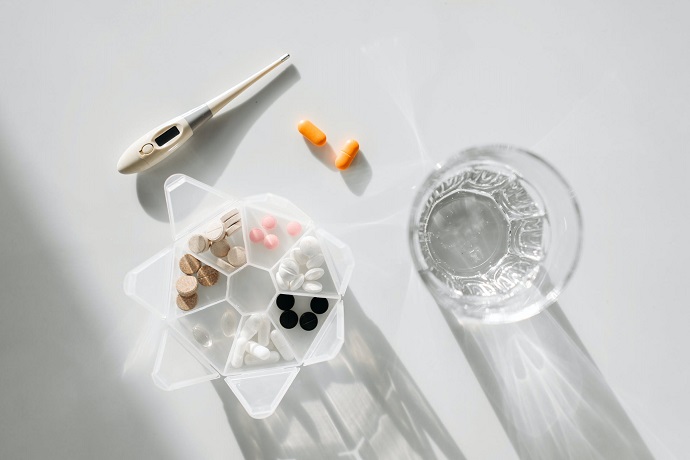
(206,155)
(546,390)
(361,404)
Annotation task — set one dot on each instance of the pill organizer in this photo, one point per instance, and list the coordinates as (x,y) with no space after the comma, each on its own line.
(234,330)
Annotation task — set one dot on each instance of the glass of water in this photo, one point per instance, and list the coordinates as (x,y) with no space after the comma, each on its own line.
(495,234)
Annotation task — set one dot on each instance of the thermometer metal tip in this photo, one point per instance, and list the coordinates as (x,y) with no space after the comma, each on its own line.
(159,143)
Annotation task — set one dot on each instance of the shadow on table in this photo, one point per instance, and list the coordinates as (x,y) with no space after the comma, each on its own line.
(550,397)
(361,404)
(206,155)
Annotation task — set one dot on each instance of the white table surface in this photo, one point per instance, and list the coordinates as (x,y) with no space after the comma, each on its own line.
(599,89)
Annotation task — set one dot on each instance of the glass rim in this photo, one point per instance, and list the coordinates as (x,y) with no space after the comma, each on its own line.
(554,289)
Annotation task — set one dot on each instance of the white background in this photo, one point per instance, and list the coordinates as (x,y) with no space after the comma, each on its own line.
(599,89)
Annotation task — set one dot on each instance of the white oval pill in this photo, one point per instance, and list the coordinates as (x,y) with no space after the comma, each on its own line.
(314,274)
(289,269)
(315,261)
(282,284)
(309,246)
(296,283)
(312,287)
(299,257)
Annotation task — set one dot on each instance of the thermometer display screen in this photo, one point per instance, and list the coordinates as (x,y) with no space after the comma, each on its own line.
(167,136)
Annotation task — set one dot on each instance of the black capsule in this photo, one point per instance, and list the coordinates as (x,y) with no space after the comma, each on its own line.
(319,305)
(285,301)
(288,319)
(308,321)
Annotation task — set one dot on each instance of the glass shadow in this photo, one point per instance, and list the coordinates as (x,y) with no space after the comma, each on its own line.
(546,390)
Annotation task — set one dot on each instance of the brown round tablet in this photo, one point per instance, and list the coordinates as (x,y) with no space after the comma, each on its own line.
(198,244)
(186,285)
(220,248)
(208,276)
(187,303)
(237,256)
(189,264)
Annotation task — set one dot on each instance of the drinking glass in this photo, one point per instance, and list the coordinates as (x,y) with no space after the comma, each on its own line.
(495,234)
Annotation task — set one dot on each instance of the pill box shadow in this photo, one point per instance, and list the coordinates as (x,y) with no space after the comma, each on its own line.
(206,155)
(549,395)
(62,390)
(361,404)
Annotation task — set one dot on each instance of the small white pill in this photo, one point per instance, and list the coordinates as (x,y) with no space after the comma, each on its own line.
(257,350)
(280,342)
(296,283)
(238,352)
(215,231)
(263,336)
(299,257)
(289,270)
(233,228)
(314,262)
(252,360)
(282,284)
(313,274)
(309,246)
(312,287)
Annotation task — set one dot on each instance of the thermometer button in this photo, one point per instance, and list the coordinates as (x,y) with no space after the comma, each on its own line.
(146,149)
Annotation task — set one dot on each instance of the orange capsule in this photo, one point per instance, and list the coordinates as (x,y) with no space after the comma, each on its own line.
(311,132)
(347,154)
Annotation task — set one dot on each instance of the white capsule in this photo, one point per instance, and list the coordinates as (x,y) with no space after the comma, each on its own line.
(282,284)
(238,353)
(298,256)
(314,274)
(281,344)
(315,261)
(289,269)
(252,360)
(263,336)
(296,283)
(309,246)
(312,287)
(251,326)
(257,350)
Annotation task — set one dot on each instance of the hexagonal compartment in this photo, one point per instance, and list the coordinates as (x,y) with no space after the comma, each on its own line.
(328,285)
(250,289)
(299,339)
(241,364)
(207,330)
(257,253)
(207,257)
(208,295)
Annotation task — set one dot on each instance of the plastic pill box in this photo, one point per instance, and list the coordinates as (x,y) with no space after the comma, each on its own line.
(201,344)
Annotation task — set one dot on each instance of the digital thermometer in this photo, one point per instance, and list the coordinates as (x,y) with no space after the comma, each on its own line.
(156,145)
